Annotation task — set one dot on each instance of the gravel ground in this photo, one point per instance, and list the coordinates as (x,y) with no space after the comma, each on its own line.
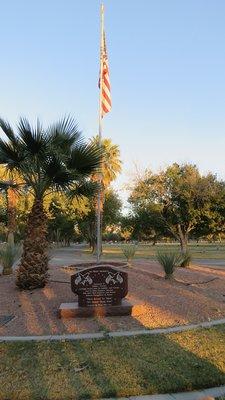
(197,294)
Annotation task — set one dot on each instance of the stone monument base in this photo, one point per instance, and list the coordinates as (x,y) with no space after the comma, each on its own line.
(72,310)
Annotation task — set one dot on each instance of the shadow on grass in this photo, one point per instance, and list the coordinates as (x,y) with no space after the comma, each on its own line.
(25,379)
(114,367)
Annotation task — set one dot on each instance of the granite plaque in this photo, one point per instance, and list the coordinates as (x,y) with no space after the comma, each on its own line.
(100,286)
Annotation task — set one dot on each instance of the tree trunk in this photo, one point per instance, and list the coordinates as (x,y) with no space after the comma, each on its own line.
(155,239)
(32,272)
(93,247)
(183,245)
(10,238)
(183,238)
(11,211)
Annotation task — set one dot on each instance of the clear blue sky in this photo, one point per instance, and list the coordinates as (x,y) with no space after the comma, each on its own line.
(167,63)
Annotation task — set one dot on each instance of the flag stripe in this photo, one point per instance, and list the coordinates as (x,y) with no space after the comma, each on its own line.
(104,108)
(106,90)
(105,94)
(106,81)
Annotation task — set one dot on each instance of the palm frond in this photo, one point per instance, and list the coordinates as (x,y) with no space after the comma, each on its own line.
(4,185)
(56,172)
(111,162)
(6,127)
(34,139)
(10,155)
(85,159)
(83,189)
(64,134)
(52,159)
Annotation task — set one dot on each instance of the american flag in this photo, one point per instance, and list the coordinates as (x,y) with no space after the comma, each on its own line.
(104,82)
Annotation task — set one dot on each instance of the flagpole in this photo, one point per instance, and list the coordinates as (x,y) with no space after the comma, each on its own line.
(99,230)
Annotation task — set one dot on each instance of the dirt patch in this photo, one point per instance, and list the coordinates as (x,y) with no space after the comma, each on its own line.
(194,296)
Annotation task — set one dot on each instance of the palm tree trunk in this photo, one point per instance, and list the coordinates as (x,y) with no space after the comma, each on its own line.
(32,272)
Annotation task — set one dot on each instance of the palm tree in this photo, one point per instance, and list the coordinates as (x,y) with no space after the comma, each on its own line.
(56,159)
(9,187)
(111,163)
(110,168)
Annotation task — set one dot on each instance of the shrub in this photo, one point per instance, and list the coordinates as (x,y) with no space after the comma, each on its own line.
(129,251)
(185,260)
(9,254)
(169,261)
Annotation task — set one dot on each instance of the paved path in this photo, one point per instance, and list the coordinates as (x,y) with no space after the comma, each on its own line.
(68,255)
(103,335)
(197,395)
(210,263)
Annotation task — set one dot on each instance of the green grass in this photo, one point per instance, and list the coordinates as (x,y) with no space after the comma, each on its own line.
(148,251)
(113,367)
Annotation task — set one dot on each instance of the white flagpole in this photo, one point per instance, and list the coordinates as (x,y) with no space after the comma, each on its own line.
(99,228)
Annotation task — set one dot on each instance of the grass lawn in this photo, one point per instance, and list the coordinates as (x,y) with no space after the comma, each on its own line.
(148,251)
(113,367)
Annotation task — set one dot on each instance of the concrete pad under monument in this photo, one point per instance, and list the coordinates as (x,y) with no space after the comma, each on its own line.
(101,290)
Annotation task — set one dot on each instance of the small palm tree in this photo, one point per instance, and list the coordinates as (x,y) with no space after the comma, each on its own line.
(56,159)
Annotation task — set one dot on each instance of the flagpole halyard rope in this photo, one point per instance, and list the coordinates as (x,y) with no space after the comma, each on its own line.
(99,228)
(104,107)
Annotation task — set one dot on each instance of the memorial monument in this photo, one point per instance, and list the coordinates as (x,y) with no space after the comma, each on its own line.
(101,290)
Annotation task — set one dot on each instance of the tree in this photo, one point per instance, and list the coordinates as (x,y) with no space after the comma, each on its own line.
(110,168)
(212,225)
(64,214)
(183,199)
(111,211)
(3,217)
(111,164)
(147,224)
(48,160)
(9,187)
(69,209)
(127,227)
(61,224)
(112,208)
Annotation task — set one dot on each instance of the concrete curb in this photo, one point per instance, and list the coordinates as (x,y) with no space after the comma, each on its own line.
(104,335)
(196,395)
